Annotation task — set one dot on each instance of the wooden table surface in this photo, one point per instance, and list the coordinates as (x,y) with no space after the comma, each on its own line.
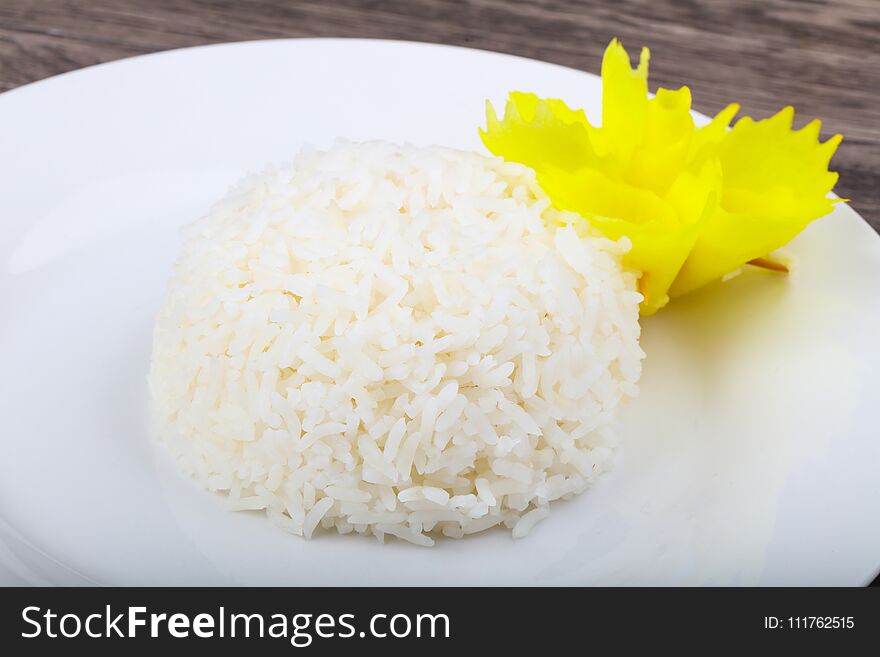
(822,56)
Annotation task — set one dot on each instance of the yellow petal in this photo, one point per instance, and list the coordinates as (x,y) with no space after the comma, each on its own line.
(666,141)
(706,139)
(538,133)
(591,192)
(775,182)
(624,101)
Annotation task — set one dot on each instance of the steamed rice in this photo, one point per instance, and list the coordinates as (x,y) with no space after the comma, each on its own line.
(396,341)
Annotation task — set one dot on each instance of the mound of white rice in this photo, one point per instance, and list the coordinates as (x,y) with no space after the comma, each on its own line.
(394,340)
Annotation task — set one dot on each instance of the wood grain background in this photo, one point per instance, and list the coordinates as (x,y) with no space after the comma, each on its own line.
(822,56)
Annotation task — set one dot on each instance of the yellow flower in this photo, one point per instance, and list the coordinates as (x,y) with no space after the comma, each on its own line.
(696,203)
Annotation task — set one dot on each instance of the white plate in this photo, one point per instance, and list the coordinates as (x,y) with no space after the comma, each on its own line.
(750,457)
